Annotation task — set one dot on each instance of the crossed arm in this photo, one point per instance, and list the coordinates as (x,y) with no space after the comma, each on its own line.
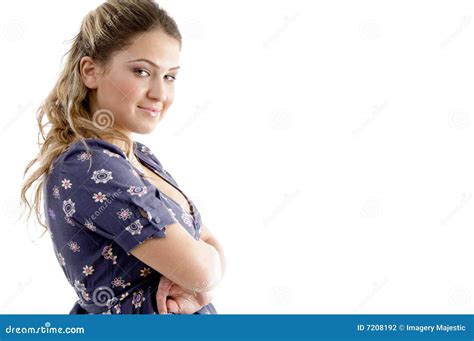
(208,237)
(171,297)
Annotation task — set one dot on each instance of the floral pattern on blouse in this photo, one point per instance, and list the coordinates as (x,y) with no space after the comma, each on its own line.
(99,207)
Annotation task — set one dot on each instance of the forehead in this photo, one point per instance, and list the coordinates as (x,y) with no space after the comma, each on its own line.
(156,46)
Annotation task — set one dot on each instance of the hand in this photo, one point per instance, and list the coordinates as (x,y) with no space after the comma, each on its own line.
(172,298)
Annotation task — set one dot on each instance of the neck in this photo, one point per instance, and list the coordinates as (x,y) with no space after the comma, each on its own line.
(123,146)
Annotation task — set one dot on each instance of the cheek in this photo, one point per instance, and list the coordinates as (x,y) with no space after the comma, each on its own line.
(169,99)
(118,95)
(116,90)
(125,89)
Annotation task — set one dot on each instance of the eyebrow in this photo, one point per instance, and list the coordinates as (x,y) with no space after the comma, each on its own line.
(151,63)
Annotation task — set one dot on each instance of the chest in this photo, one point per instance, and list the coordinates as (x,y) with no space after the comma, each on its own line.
(166,188)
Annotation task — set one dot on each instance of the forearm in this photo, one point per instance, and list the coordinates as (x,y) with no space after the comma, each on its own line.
(202,295)
(211,269)
(202,291)
(215,243)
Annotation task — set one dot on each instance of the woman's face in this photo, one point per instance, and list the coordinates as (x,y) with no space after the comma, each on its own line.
(138,77)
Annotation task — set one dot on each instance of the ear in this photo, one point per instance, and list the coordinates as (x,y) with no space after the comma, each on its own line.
(89,72)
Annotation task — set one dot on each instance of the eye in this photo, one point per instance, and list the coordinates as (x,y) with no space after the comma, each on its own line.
(139,73)
(173,78)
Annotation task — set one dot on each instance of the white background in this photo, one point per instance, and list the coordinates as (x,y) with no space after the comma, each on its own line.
(329,146)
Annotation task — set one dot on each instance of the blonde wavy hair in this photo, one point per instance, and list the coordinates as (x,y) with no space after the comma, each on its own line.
(104,31)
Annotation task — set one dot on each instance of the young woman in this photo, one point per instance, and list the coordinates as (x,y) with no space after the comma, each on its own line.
(126,236)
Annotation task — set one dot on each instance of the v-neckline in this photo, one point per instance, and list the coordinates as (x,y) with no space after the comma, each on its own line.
(155,171)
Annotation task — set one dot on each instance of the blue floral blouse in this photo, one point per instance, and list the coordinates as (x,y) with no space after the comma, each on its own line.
(98,208)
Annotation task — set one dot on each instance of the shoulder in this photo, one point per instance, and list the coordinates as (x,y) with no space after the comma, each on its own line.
(82,158)
(83,150)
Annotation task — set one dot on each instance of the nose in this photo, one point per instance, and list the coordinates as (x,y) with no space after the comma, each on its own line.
(157,91)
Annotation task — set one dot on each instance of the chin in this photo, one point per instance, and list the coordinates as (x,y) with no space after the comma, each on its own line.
(144,130)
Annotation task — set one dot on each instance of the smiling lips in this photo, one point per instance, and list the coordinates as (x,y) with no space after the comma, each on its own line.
(153,112)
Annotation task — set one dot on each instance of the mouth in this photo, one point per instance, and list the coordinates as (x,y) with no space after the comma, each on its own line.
(152,112)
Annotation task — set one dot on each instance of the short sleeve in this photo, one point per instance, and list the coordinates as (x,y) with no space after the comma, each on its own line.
(105,194)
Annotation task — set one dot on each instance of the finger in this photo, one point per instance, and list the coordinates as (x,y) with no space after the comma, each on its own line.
(162,293)
(172,306)
(164,283)
(189,305)
(176,290)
